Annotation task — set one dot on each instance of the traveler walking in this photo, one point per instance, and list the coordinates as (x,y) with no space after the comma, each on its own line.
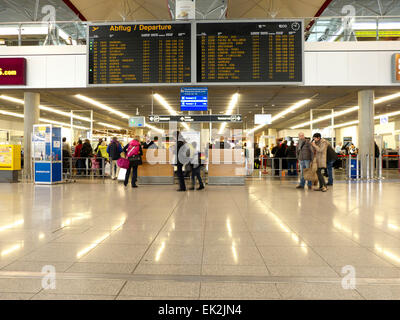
(320,147)
(195,163)
(181,159)
(114,150)
(134,154)
(305,155)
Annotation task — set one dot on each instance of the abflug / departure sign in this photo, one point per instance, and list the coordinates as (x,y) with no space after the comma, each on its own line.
(262,51)
(139,53)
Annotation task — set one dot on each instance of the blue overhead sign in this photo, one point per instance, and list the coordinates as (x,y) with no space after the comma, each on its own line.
(194,99)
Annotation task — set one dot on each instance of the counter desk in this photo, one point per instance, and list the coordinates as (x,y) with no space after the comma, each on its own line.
(156,167)
(226,166)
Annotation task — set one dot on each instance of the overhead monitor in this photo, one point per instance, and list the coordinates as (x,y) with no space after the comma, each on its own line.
(136,122)
(194,99)
(262,119)
(142,53)
(269,51)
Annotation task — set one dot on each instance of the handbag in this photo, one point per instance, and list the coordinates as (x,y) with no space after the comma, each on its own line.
(136,160)
(310,174)
(123,163)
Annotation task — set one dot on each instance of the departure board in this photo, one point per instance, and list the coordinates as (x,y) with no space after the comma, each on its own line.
(122,54)
(262,51)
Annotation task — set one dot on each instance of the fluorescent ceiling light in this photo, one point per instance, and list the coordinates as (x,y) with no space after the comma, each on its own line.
(154,128)
(232,103)
(20,115)
(12,114)
(63,124)
(327,117)
(346,111)
(346,124)
(109,125)
(350,123)
(292,108)
(101,106)
(281,114)
(166,105)
(45,108)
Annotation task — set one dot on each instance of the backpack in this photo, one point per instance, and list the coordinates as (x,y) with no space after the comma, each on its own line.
(331,154)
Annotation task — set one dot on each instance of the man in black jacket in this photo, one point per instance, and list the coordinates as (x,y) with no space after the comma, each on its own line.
(114,150)
(181,159)
(292,162)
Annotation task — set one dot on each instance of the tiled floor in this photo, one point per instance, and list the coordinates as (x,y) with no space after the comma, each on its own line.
(265,240)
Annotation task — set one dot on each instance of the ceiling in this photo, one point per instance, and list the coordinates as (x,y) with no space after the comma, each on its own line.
(115,10)
(252,100)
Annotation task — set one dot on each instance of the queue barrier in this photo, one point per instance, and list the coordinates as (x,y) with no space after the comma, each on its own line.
(94,167)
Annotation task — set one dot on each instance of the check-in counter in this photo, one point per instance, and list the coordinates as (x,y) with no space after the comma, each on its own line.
(226,166)
(156,167)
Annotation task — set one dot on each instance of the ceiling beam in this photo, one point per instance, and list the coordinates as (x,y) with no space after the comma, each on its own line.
(74,9)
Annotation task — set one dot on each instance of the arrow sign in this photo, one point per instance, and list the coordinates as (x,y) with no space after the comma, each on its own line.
(197,118)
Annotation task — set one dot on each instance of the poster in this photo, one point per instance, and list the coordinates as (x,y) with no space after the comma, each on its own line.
(185,9)
(6,154)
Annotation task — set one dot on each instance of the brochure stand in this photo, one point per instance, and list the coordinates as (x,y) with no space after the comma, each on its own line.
(47,154)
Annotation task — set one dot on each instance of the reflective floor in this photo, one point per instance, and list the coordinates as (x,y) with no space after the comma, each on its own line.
(265,240)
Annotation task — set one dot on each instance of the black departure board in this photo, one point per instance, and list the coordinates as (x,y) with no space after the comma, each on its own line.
(139,53)
(262,51)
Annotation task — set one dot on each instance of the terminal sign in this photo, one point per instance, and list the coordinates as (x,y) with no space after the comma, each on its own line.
(122,54)
(194,99)
(268,52)
(12,71)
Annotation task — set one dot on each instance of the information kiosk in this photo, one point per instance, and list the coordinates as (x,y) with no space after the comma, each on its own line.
(47,154)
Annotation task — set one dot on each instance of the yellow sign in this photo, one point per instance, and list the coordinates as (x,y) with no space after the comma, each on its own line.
(10,157)
(382,33)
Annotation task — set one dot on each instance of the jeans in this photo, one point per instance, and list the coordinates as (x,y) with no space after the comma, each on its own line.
(196,174)
(303,165)
(292,170)
(81,166)
(128,173)
(329,167)
(114,169)
(321,178)
(181,177)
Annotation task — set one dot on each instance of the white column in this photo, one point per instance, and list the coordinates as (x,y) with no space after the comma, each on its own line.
(31,117)
(366,125)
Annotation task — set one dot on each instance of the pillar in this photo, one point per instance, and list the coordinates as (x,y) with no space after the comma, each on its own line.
(366,125)
(273,134)
(31,117)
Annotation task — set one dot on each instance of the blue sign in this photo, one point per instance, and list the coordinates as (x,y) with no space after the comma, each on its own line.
(194,99)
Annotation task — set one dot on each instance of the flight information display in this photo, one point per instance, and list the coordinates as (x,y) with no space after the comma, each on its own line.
(262,51)
(139,53)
